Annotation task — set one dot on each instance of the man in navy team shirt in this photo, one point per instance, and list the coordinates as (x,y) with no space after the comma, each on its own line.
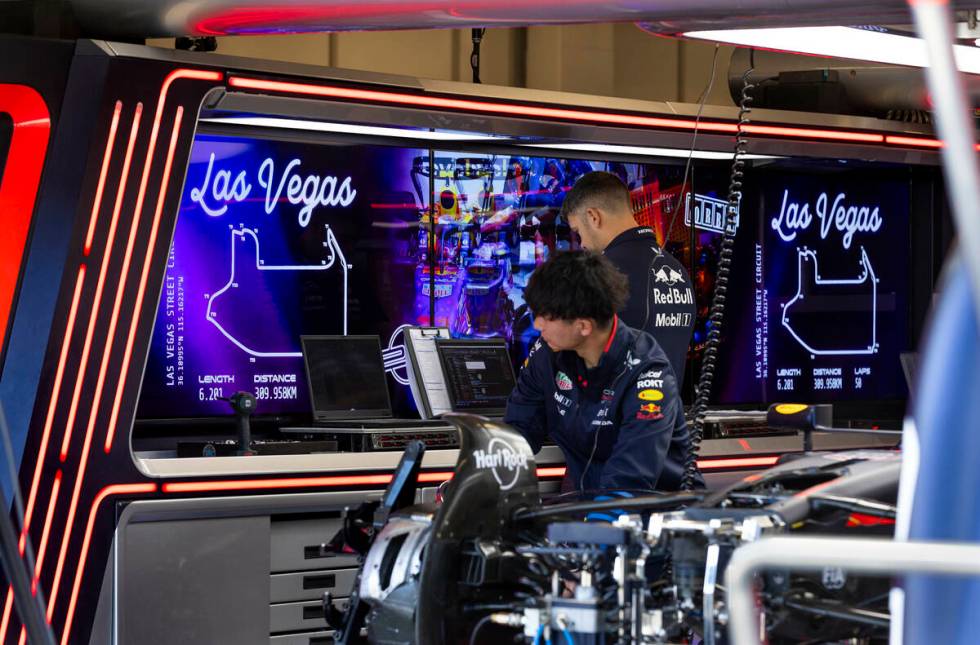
(604,392)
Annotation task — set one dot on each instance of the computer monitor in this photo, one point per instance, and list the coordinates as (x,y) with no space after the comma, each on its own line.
(479,374)
(346,376)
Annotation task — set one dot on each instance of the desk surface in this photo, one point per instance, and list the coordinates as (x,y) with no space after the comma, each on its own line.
(156,465)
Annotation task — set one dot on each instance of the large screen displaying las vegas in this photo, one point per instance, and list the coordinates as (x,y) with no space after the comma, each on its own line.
(819,291)
(279,239)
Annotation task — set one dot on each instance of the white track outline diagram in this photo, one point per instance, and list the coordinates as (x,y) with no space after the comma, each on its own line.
(869,272)
(335,254)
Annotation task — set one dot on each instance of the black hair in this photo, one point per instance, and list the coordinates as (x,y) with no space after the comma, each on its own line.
(597,189)
(577,284)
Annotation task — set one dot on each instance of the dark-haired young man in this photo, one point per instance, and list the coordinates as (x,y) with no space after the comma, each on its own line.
(604,392)
(661,298)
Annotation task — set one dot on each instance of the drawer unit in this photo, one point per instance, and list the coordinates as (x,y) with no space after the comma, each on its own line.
(296,545)
(298,616)
(311,638)
(310,585)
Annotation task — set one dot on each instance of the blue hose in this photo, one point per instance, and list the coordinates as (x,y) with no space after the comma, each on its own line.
(537,637)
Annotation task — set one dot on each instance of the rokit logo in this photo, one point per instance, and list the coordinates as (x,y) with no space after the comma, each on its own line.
(503,461)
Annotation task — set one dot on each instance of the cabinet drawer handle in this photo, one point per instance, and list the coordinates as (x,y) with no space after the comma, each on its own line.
(312,613)
(317,551)
(324,581)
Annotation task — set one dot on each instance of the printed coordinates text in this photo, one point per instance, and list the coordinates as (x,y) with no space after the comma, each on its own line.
(216,193)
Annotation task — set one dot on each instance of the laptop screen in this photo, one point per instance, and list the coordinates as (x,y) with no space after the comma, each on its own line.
(346,376)
(479,374)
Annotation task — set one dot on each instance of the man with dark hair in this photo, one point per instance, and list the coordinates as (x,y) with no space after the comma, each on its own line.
(605,393)
(661,300)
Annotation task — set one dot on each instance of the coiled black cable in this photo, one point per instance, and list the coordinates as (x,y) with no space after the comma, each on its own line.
(716,312)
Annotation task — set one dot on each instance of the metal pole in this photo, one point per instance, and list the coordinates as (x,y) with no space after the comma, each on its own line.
(881,557)
(961,171)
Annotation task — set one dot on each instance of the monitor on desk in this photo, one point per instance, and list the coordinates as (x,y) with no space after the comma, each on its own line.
(346,376)
(479,374)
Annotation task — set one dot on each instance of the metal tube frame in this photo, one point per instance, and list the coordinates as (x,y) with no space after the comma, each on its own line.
(933,21)
(881,557)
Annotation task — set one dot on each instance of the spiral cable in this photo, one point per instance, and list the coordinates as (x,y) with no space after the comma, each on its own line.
(716,312)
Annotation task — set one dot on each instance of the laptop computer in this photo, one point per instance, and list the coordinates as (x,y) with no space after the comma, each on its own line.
(479,375)
(348,386)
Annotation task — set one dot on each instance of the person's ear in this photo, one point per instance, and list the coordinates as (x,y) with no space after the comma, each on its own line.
(594,216)
(585,327)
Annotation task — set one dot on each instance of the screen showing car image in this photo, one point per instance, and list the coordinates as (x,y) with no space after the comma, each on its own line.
(279,239)
(818,298)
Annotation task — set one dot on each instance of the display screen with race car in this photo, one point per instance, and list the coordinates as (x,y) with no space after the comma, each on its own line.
(278,239)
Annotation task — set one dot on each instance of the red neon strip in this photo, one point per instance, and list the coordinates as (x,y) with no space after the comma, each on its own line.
(44,539)
(83,463)
(376,96)
(106,158)
(434,477)
(563,114)
(860,519)
(117,489)
(556,471)
(809,133)
(52,502)
(913,141)
(128,351)
(150,245)
(100,284)
(7,607)
(19,179)
(49,419)
(737,462)
(744,444)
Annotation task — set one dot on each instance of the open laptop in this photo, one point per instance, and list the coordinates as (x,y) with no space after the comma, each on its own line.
(348,386)
(479,375)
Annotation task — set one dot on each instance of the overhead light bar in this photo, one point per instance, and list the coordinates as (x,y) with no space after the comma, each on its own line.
(861,43)
(349,128)
(644,151)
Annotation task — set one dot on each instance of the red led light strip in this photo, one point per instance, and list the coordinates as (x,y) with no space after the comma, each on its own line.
(83,463)
(19,179)
(915,142)
(564,114)
(52,403)
(106,159)
(117,489)
(736,462)
(428,477)
(316,482)
(100,284)
(39,564)
(141,291)
(131,336)
(52,502)
(45,435)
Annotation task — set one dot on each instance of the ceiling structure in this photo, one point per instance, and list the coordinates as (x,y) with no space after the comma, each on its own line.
(128,20)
